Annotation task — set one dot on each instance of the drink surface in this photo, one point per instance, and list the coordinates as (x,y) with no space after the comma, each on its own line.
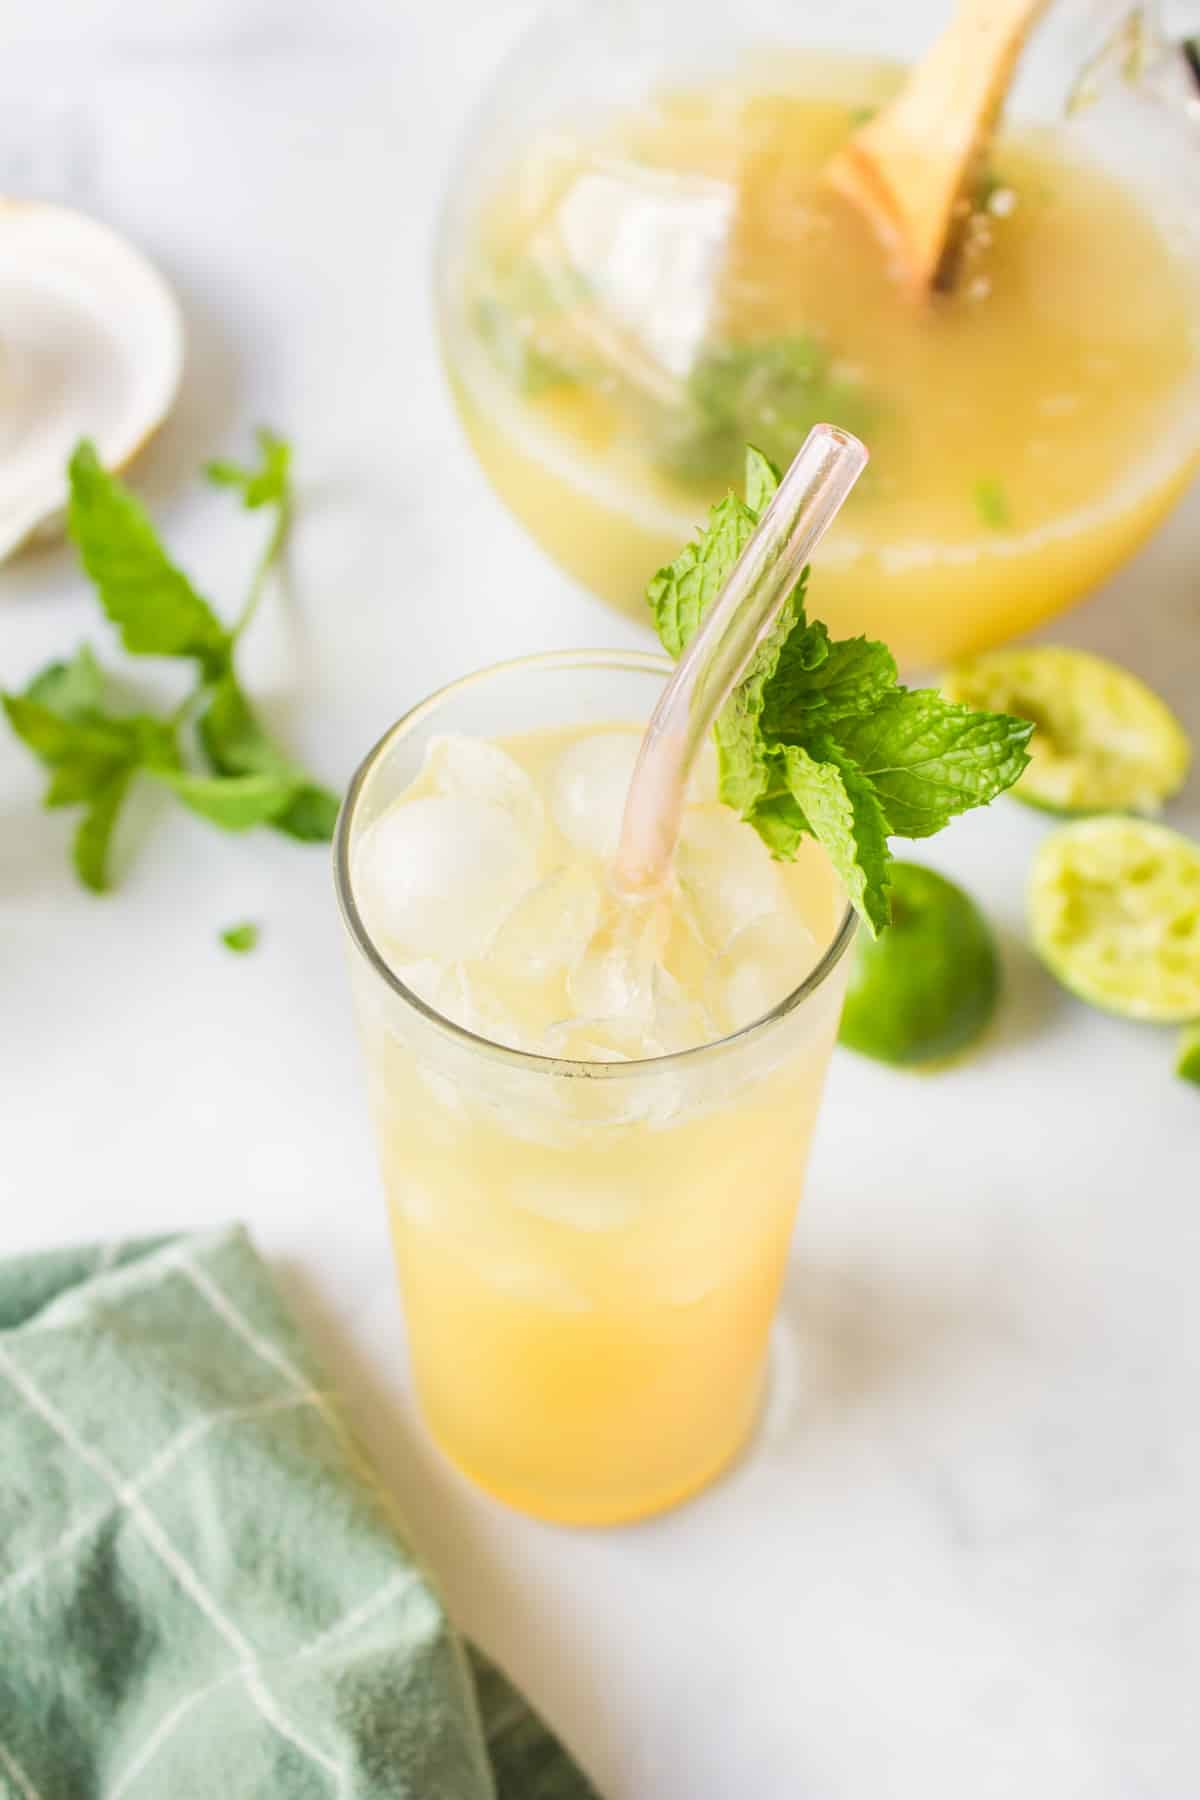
(590,1254)
(638,307)
(487,888)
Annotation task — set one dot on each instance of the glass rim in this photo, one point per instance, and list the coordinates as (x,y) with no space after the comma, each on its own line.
(636,661)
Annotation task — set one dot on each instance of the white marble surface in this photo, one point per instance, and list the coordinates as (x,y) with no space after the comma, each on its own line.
(962,1559)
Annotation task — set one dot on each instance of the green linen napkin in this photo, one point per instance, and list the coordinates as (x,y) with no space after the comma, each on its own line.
(203,1591)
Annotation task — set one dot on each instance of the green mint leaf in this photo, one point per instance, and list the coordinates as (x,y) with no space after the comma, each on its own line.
(236,744)
(743,766)
(310,816)
(679,597)
(991,503)
(92,755)
(223,473)
(93,837)
(746,774)
(155,606)
(762,479)
(781,825)
(776,814)
(268,483)
(54,737)
(929,758)
(234,741)
(156,741)
(843,812)
(681,594)
(240,938)
(73,688)
(84,748)
(851,676)
(80,777)
(234,802)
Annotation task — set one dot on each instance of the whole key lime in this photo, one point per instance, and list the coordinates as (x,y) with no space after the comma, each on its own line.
(1187,1063)
(924,989)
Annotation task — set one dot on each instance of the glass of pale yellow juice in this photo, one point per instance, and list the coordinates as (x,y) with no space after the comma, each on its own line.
(640,269)
(592,1158)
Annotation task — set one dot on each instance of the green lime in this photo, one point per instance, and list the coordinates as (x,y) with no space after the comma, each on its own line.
(1114,907)
(926,987)
(1187,1064)
(1104,742)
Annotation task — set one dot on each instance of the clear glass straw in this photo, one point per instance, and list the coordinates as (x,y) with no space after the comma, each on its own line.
(805,504)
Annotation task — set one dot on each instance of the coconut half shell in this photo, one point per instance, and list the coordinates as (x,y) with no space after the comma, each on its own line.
(91,345)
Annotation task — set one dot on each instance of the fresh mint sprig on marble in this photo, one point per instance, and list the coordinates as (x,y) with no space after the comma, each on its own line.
(820,739)
(210,751)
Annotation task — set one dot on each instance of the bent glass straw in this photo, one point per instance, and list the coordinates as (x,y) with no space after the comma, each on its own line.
(826,467)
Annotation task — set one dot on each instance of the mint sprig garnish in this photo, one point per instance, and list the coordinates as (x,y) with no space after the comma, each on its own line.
(820,739)
(211,752)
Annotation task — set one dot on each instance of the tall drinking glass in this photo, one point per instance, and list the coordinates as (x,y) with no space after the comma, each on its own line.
(589,1253)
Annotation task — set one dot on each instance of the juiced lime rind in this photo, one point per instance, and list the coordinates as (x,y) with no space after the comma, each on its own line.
(1104,742)
(1187,1063)
(923,990)
(1114,911)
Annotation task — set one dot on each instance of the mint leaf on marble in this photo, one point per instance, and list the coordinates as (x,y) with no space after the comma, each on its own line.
(265,483)
(310,815)
(93,748)
(236,744)
(153,604)
(240,938)
(91,847)
(234,802)
(72,688)
(90,751)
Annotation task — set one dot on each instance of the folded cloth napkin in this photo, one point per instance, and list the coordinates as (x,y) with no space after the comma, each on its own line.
(203,1591)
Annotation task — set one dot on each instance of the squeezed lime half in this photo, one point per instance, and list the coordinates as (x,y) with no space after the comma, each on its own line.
(924,989)
(1104,741)
(1187,1063)
(1114,908)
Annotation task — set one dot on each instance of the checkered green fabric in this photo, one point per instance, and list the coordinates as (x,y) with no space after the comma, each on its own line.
(203,1592)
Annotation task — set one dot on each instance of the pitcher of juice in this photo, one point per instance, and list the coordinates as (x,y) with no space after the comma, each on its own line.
(641,268)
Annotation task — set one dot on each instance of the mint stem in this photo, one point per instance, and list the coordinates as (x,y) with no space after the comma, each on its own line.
(271,552)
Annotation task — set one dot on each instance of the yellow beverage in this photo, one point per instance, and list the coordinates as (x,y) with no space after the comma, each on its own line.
(593,1119)
(633,307)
